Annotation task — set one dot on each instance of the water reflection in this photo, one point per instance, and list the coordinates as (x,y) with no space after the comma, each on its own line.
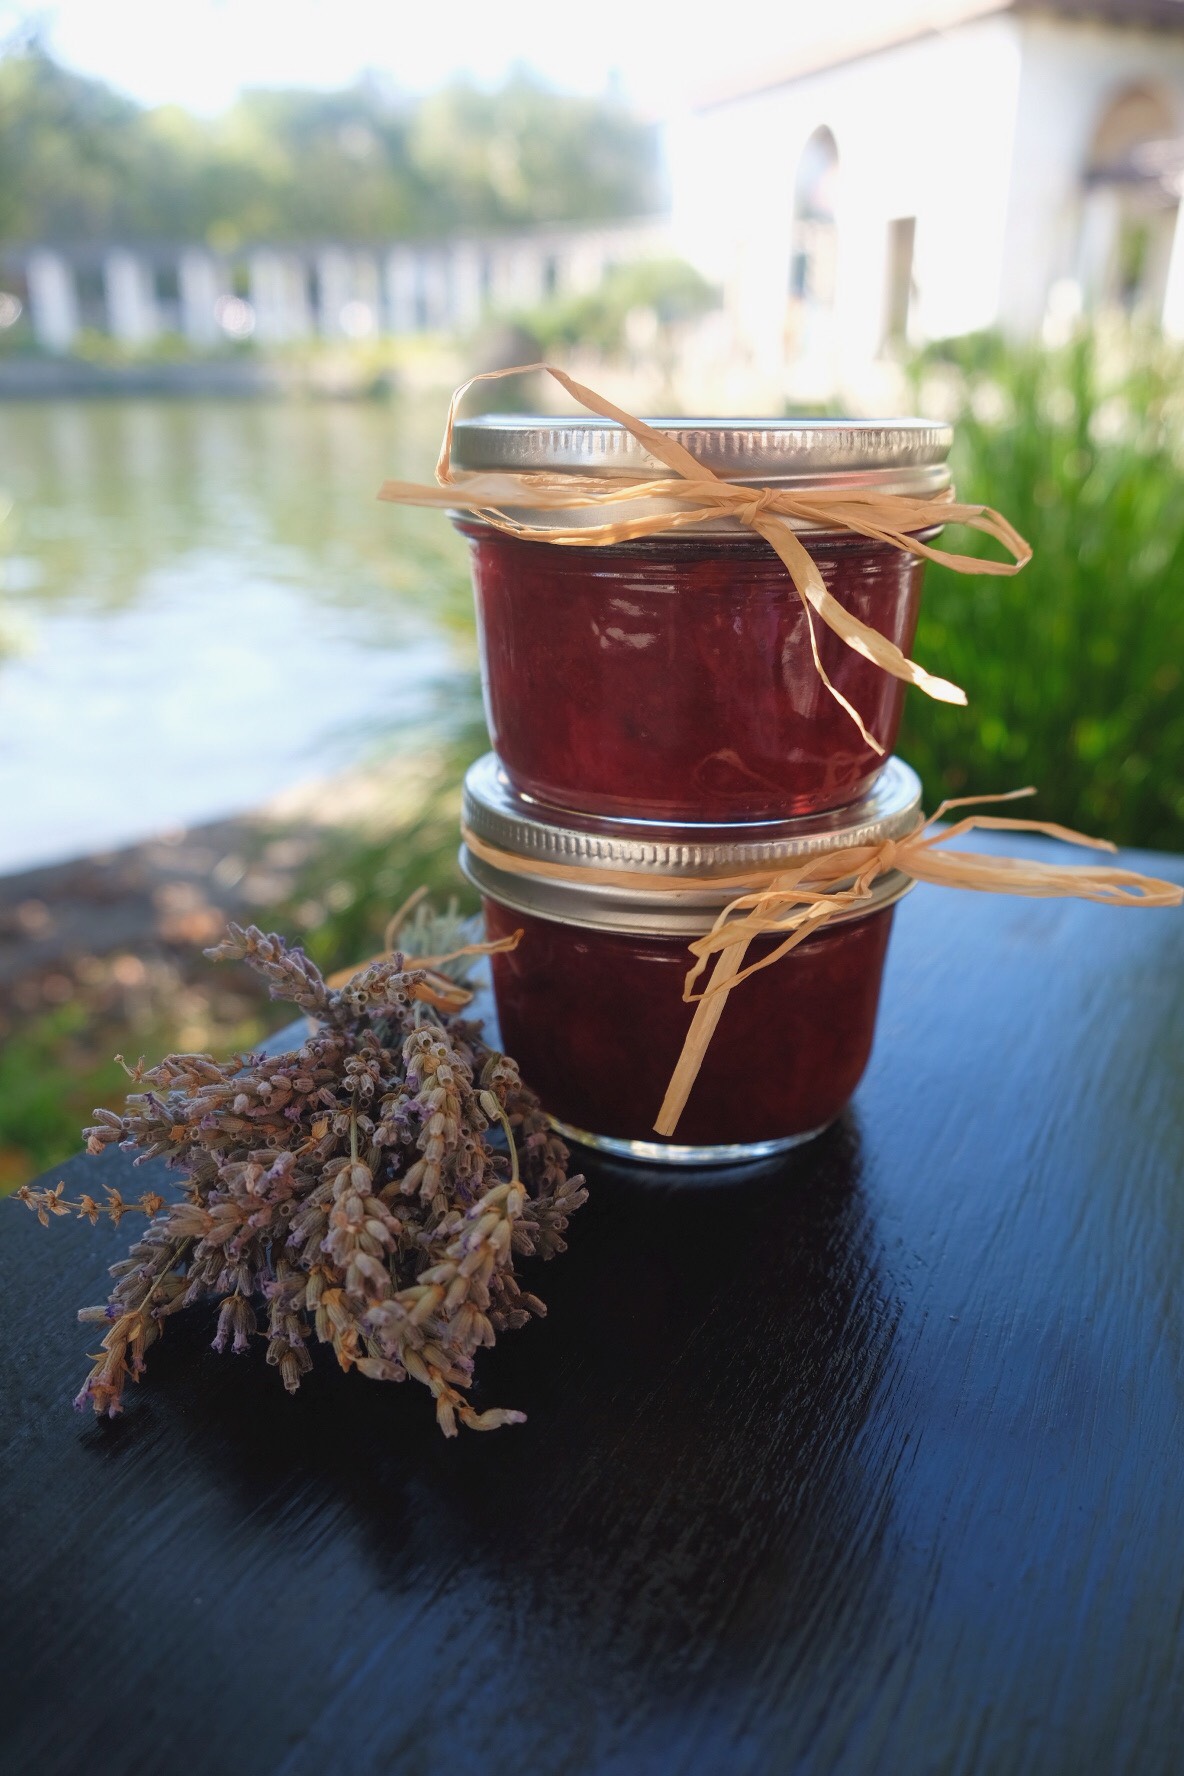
(208,603)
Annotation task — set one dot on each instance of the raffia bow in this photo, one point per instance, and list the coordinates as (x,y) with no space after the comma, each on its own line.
(703,497)
(794,903)
(431,985)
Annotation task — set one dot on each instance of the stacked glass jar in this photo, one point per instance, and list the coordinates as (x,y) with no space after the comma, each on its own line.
(657,713)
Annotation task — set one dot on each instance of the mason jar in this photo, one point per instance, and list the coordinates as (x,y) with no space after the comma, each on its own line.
(590,1002)
(673,678)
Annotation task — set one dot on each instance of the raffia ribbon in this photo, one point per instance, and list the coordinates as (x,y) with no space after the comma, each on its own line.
(793,904)
(435,988)
(890,518)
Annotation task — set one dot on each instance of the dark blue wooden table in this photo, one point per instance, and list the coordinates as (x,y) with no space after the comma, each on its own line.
(867,1462)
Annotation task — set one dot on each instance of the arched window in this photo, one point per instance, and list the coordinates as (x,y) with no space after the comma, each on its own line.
(813,238)
(1131,200)
(1134,116)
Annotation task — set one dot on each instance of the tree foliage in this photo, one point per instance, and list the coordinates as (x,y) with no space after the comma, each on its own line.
(78,161)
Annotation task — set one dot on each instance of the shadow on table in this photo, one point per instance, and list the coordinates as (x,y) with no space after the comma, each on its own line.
(690,1486)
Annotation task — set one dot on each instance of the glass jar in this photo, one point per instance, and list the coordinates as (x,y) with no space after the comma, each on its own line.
(590,1002)
(673,678)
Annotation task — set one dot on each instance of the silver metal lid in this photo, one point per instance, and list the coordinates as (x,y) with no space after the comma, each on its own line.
(906,456)
(769,452)
(496,813)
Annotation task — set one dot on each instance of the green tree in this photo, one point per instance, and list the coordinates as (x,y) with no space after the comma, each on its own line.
(70,153)
(78,162)
(525,154)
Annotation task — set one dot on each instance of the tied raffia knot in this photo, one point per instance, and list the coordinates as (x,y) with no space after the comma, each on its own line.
(701,496)
(793,904)
(752,506)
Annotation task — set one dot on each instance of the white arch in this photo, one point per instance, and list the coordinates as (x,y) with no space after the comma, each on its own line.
(1132,116)
(1129,209)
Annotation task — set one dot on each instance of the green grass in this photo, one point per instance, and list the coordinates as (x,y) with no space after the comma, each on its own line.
(1073,667)
(355,887)
(39,1118)
(55,1068)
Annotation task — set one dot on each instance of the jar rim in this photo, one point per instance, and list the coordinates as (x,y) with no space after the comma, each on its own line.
(507,820)
(890,456)
(510,819)
(907,453)
(641,914)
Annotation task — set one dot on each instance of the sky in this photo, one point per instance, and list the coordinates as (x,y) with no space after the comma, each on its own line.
(199,53)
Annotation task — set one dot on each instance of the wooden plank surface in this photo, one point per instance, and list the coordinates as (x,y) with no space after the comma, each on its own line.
(868,1461)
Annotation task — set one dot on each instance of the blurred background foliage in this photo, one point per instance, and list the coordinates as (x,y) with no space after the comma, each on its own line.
(1073,667)
(81,162)
(643,303)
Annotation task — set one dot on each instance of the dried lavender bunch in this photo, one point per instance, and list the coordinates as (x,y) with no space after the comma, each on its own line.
(345,1190)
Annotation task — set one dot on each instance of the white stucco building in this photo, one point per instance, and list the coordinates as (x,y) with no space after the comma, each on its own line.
(963,164)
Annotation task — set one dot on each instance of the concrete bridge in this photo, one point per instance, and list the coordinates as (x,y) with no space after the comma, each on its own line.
(278,293)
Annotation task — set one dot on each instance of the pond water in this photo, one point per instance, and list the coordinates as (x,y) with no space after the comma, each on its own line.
(202,604)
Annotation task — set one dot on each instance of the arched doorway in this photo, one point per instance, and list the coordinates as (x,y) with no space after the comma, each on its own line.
(1131,202)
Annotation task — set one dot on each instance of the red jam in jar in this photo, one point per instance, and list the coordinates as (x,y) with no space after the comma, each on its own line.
(672,678)
(590,1002)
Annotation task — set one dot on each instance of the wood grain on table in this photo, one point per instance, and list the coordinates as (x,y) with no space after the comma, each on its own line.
(867,1461)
